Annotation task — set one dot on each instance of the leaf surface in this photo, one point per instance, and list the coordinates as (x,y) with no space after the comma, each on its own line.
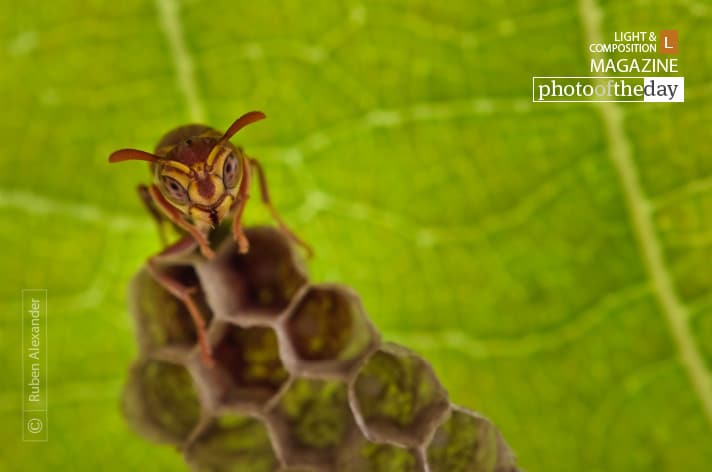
(550,261)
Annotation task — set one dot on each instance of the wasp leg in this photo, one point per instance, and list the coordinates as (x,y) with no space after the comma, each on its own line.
(273,211)
(150,205)
(237,209)
(243,244)
(183,293)
(175,217)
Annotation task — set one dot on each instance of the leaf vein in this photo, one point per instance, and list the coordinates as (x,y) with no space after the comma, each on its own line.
(640,211)
(169,16)
(40,205)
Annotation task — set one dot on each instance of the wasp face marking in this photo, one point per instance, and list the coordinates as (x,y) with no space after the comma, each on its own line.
(206,188)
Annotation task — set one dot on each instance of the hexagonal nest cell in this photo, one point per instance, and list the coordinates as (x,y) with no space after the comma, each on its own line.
(248,370)
(468,441)
(160,401)
(313,423)
(163,324)
(376,457)
(397,397)
(300,380)
(232,442)
(327,331)
(252,288)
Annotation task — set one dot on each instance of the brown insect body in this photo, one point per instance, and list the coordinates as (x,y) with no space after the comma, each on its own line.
(181,133)
(200,178)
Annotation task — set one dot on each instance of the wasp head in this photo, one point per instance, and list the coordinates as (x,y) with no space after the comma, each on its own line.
(200,176)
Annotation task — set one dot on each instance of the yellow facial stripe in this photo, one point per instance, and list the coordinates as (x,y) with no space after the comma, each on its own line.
(180,177)
(218,150)
(176,165)
(212,184)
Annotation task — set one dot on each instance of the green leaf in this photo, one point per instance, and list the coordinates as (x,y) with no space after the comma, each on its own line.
(550,260)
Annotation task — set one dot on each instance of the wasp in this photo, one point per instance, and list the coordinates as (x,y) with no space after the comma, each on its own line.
(199,179)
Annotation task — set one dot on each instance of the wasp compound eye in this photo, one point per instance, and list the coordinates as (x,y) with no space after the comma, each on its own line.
(174,191)
(230,171)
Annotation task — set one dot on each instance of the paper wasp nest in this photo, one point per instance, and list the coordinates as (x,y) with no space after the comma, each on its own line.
(301,382)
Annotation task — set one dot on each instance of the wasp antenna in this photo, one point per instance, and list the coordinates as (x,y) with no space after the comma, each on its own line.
(238,124)
(136,155)
(132,155)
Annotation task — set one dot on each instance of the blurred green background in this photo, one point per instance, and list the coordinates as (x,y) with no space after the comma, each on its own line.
(550,260)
